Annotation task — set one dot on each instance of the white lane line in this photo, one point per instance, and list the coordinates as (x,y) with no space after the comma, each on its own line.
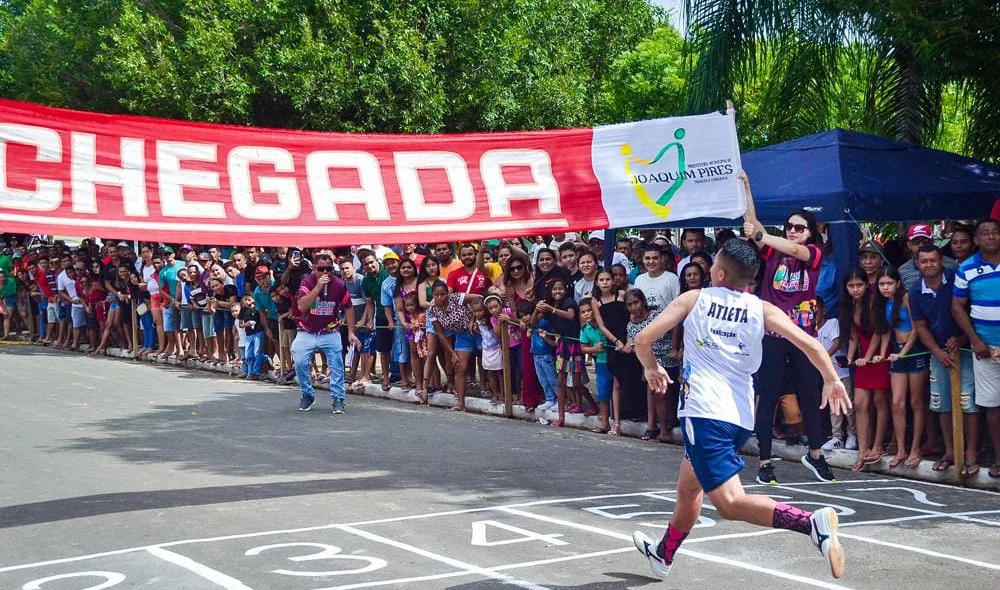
(918,495)
(928,552)
(539,562)
(888,505)
(214,576)
(468,567)
(400,581)
(794,485)
(688,552)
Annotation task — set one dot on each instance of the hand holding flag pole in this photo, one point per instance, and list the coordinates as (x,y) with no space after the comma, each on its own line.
(750,222)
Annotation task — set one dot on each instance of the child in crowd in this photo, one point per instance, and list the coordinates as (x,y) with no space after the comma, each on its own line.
(241,333)
(543,342)
(488,325)
(416,337)
(908,363)
(560,309)
(640,316)
(287,315)
(594,343)
(871,380)
(250,322)
(828,334)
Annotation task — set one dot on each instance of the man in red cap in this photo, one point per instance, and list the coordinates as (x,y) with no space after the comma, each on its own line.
(919,235)
(268,310)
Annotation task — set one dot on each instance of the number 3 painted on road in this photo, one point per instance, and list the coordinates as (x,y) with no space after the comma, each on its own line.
(110,579)
(327,552)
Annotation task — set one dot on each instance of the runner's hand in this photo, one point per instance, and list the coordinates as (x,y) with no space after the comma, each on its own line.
(658,380)
(835,395)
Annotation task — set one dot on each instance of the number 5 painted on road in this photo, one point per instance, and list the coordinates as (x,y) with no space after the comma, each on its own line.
(326,552)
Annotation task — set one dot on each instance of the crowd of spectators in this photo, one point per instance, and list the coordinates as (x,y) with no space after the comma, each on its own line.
(433,317)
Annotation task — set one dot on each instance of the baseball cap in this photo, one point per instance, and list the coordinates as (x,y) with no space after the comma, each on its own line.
(596,235)
(870,246)
(187,247)
(390,255)
(124,245)
(261,271)
(919,230)
(167,250)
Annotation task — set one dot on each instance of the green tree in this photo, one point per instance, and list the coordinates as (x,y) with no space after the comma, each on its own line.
(806,56)
(352,65)
(646,82)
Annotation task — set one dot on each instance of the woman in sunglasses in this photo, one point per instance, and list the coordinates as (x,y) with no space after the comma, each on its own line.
(791,273)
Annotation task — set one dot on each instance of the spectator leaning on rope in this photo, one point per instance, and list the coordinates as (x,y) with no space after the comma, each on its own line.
(919,234)
(974,306)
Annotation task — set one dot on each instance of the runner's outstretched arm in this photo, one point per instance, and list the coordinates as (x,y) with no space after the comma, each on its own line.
(673,315)
(834,393)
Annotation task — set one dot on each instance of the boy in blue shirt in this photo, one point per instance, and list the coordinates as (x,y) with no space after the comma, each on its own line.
(543,352)
(594,343)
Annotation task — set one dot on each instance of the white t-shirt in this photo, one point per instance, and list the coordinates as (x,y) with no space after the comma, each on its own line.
(242,333)
(570,237)
(64,283)
(722,350)
(617,258)
(659,291)
(582,288)
(826,335)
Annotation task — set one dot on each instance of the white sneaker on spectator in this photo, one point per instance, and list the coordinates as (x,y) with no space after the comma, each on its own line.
(546,406)
(852,443)
(833,443)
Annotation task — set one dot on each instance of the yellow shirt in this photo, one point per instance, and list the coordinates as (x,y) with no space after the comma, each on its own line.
(493,271)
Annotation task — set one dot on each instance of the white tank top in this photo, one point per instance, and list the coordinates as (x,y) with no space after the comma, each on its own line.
(722,349)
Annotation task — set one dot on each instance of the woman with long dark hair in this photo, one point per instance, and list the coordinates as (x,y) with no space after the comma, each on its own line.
(791,273)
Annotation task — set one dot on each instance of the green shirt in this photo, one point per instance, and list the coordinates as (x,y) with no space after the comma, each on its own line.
(9,288)
(7,265)
(372,288)
(168,277)
(590,335)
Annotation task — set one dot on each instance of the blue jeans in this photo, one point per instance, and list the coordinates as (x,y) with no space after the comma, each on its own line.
(253,356)
(43,314)
(545,368)
(303,349)
(148,330)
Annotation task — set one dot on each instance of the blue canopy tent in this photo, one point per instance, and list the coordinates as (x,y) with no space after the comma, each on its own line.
(844,176)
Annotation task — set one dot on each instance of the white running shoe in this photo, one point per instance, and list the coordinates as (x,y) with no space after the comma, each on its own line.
(647,547)
(852,443)
(824,537)
(833,443)
(546,406)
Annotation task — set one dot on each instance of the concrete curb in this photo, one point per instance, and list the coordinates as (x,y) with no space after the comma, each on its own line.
(841,459)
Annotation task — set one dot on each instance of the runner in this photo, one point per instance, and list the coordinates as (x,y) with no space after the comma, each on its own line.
(723,330)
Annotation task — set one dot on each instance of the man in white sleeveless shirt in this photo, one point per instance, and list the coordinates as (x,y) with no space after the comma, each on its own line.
(723,329)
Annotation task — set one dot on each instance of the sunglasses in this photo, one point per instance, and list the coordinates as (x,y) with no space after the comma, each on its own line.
(324,268)
(516,267)
(798,227)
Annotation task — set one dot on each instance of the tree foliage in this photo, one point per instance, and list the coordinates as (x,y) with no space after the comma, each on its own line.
(353,65)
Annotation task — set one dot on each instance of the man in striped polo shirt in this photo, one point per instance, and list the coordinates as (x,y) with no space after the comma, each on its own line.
(976,308)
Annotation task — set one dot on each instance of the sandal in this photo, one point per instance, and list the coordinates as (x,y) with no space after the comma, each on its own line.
(897,461)
(600,430)
(873,458)
(613,431)
(942,465)
(650,434)
(970,469)
(913,461)
(386,387)
(859,465)
(994,471)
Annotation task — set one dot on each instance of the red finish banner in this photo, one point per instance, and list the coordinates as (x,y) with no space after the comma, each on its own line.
(86,174)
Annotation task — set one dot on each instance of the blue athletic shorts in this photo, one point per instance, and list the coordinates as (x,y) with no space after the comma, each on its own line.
(712,447)
(367,338)
(604,382)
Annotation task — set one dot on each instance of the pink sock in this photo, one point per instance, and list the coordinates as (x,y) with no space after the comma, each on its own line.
(792,519)
(670,543)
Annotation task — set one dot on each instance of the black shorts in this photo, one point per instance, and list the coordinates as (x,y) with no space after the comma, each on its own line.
(274,328)
(383,339)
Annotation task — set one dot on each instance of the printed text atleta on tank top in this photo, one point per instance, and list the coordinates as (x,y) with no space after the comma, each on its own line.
(727,314)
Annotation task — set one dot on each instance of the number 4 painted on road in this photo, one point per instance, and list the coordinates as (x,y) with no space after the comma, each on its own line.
(479,535)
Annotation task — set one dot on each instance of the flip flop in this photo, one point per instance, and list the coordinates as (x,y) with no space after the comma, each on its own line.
(613,431)
(971,468)
(995,466)
(912,462)
(871,460)
(650,434)
(896,462)
(942,465)
(858,466)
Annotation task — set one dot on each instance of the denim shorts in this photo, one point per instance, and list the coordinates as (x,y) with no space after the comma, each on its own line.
(10,302)
(400,347)
(79,316)
(467,342)
(65,315)
(913,364)
(222,319)
(169,318)
(187,319)
(940,390)
(207,325)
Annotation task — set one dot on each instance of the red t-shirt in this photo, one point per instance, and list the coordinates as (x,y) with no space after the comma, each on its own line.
(458,282)
(790,284)
(324,316)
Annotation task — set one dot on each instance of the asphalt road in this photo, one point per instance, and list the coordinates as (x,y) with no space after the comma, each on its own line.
(128,475)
